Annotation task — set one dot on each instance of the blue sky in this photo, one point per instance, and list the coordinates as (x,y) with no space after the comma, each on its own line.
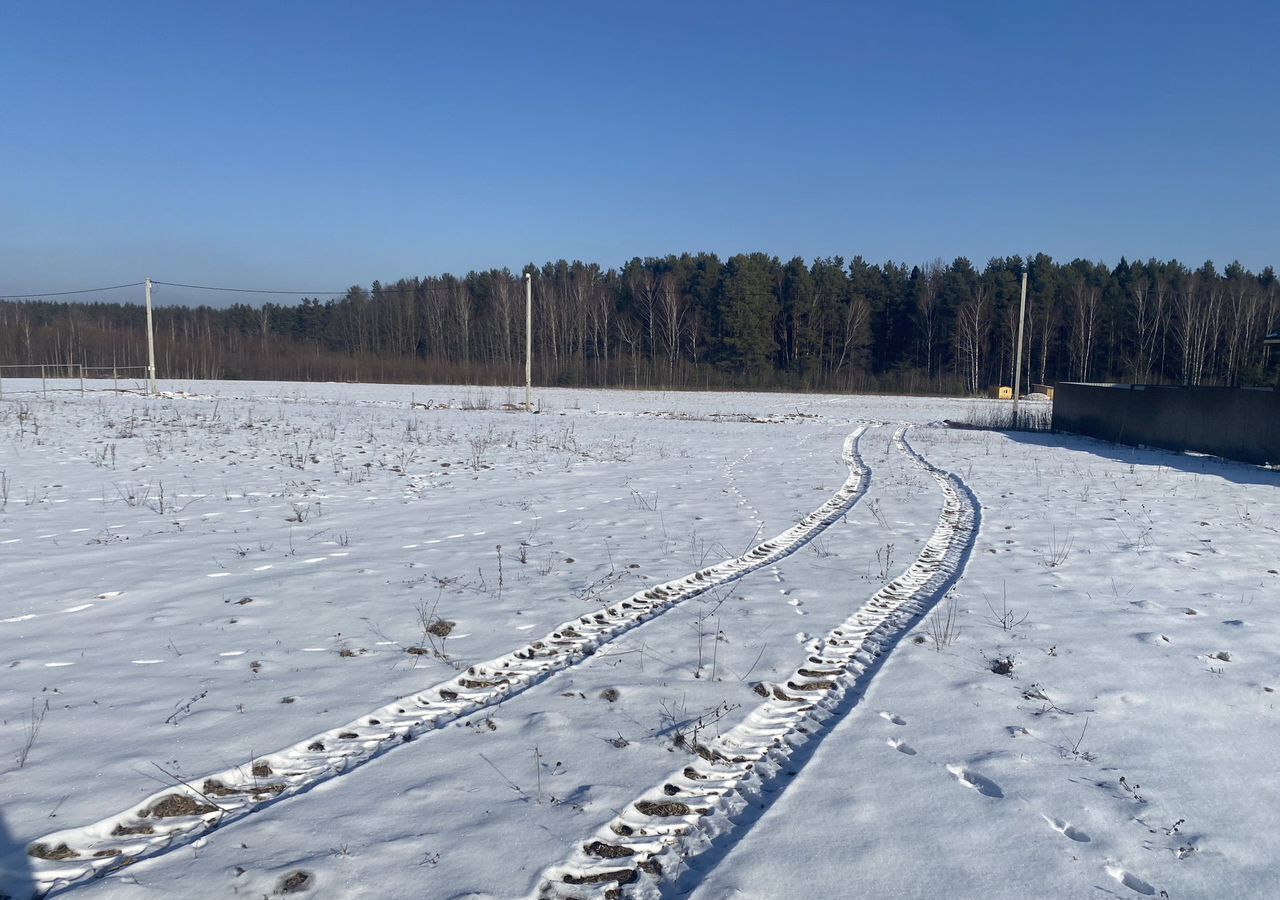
(313,145)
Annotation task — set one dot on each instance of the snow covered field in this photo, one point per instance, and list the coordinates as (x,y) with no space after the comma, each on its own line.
(393,641)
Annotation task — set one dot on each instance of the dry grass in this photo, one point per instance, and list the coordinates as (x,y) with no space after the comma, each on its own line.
(999,416)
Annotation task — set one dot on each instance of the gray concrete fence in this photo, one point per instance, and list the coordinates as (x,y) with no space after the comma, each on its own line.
(1236,423)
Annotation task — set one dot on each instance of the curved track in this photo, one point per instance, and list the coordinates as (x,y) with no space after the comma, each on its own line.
(704,807)
(193,808)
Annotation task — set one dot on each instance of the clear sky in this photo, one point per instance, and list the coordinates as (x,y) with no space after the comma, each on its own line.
(313,145)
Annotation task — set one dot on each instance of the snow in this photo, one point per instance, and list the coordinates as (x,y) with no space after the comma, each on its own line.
(238,572)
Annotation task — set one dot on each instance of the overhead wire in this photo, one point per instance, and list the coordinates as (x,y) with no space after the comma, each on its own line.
(205,287)
(419,289)
(114,287)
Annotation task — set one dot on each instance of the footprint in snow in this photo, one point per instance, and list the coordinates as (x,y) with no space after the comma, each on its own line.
(1131,881)
(1068,830)
(980,783)
(901,746)
(896,720)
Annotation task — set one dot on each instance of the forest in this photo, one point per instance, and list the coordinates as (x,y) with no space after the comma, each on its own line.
(697,321)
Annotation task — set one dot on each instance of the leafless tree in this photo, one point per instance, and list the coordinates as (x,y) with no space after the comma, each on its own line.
(1084,296)
(930,289)
(971,336)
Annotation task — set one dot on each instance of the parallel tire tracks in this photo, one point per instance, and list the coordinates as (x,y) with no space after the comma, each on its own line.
(190,809)
(702,808)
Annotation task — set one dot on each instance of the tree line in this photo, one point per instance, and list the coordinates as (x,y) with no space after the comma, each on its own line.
(696,321)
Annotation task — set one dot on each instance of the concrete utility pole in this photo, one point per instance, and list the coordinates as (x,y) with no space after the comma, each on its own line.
(151,345)
(528,341)
(1017,366)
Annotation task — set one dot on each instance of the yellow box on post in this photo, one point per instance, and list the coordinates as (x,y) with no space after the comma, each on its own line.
(1004,393)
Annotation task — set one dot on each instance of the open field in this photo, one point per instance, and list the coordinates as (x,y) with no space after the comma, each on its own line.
(394,641)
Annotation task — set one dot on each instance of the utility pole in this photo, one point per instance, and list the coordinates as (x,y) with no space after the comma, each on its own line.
(1017,366)
(528,341)
(151,344)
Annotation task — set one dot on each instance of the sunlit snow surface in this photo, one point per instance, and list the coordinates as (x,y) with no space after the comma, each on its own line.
(193,583)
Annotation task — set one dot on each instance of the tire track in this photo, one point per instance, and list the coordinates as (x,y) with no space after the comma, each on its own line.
(704,808)
(190,809)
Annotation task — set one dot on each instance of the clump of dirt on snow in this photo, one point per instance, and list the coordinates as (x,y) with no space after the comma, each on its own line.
(44,851)
(622,876)
(215,788)
(179,805)
(296,882)
(1001,665)
(607,851)
(123,830)
(441,628)
(667,808)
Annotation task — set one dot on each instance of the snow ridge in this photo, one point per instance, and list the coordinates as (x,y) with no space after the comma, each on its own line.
(190,809)
(645,851)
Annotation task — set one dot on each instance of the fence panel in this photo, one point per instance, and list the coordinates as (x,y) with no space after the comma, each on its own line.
(1236,423)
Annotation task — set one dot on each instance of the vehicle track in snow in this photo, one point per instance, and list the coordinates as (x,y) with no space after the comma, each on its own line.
(704,808)
(194,807)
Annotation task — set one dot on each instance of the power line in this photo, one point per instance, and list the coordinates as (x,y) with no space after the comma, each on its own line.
(114,287)
(421,288)
(231,290)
